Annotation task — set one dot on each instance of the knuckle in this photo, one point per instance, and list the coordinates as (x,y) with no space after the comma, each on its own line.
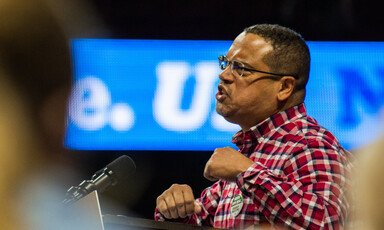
(162,197)
(162,209)
(186,187)
(174,187)
(219,149)
(163,194)
(189,202)
(206,174)
(189,206)
(208,166)
(172,208)
(179,205)
(165,214)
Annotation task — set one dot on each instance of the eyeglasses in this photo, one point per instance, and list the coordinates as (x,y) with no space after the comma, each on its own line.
(237,68)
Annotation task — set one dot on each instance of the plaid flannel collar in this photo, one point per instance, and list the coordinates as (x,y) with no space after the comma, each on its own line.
(262,129)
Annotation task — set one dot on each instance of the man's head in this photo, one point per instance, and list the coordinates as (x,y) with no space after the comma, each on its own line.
(290,54)
(274,62)
(34,54)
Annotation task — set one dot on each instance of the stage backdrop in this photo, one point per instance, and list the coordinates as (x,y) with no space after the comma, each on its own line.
(160,94)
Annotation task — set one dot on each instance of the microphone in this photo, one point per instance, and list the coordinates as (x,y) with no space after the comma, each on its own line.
(115,172)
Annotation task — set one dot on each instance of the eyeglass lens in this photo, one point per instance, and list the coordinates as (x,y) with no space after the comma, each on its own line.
(237,68)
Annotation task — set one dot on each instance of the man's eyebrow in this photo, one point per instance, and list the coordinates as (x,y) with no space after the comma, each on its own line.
(246,65)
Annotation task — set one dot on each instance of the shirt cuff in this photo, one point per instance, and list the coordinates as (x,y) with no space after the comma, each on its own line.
(254,169)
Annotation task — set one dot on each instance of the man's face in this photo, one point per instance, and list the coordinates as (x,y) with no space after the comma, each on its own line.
(249,99)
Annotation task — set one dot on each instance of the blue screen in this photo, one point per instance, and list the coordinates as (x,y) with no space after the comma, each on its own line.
(160,94)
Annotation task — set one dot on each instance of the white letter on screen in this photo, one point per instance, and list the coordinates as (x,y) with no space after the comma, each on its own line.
(172,77)
(89,103)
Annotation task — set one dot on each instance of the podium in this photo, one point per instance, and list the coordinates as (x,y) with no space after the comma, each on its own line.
(117,222)
(89,217)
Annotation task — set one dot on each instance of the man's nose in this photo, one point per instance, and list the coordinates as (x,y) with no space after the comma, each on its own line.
(226,76)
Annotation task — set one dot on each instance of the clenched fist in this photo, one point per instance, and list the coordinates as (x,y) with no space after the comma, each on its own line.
(177,202)
(226,163)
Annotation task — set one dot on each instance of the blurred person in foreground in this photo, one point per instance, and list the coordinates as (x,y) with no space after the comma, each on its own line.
(368,178)
(289,172)
(35,81)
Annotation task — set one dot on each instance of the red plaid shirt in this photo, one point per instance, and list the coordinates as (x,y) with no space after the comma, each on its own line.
(298,179)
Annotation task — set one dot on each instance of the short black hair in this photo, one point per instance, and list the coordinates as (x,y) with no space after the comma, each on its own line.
(290,54)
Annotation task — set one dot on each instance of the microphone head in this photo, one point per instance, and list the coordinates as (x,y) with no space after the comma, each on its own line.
(121,168)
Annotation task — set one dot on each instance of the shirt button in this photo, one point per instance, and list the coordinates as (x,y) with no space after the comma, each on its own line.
(230,194)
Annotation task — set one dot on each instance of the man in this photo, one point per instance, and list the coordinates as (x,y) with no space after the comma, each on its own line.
(289,171)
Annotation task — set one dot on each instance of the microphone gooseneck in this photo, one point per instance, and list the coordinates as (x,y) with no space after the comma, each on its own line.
(115,172)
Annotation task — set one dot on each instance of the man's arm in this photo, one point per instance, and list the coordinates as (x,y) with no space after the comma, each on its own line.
(178,204)
(310,194)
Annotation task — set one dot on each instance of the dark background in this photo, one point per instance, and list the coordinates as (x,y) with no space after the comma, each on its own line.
(316,20)
(326,20)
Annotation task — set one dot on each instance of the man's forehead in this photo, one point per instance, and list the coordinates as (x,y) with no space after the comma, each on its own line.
(248,43)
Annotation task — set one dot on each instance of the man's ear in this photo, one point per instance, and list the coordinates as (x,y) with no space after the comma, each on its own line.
(287,84)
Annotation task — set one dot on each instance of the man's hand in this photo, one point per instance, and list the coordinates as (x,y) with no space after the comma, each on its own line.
(226,163)
(177,202)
